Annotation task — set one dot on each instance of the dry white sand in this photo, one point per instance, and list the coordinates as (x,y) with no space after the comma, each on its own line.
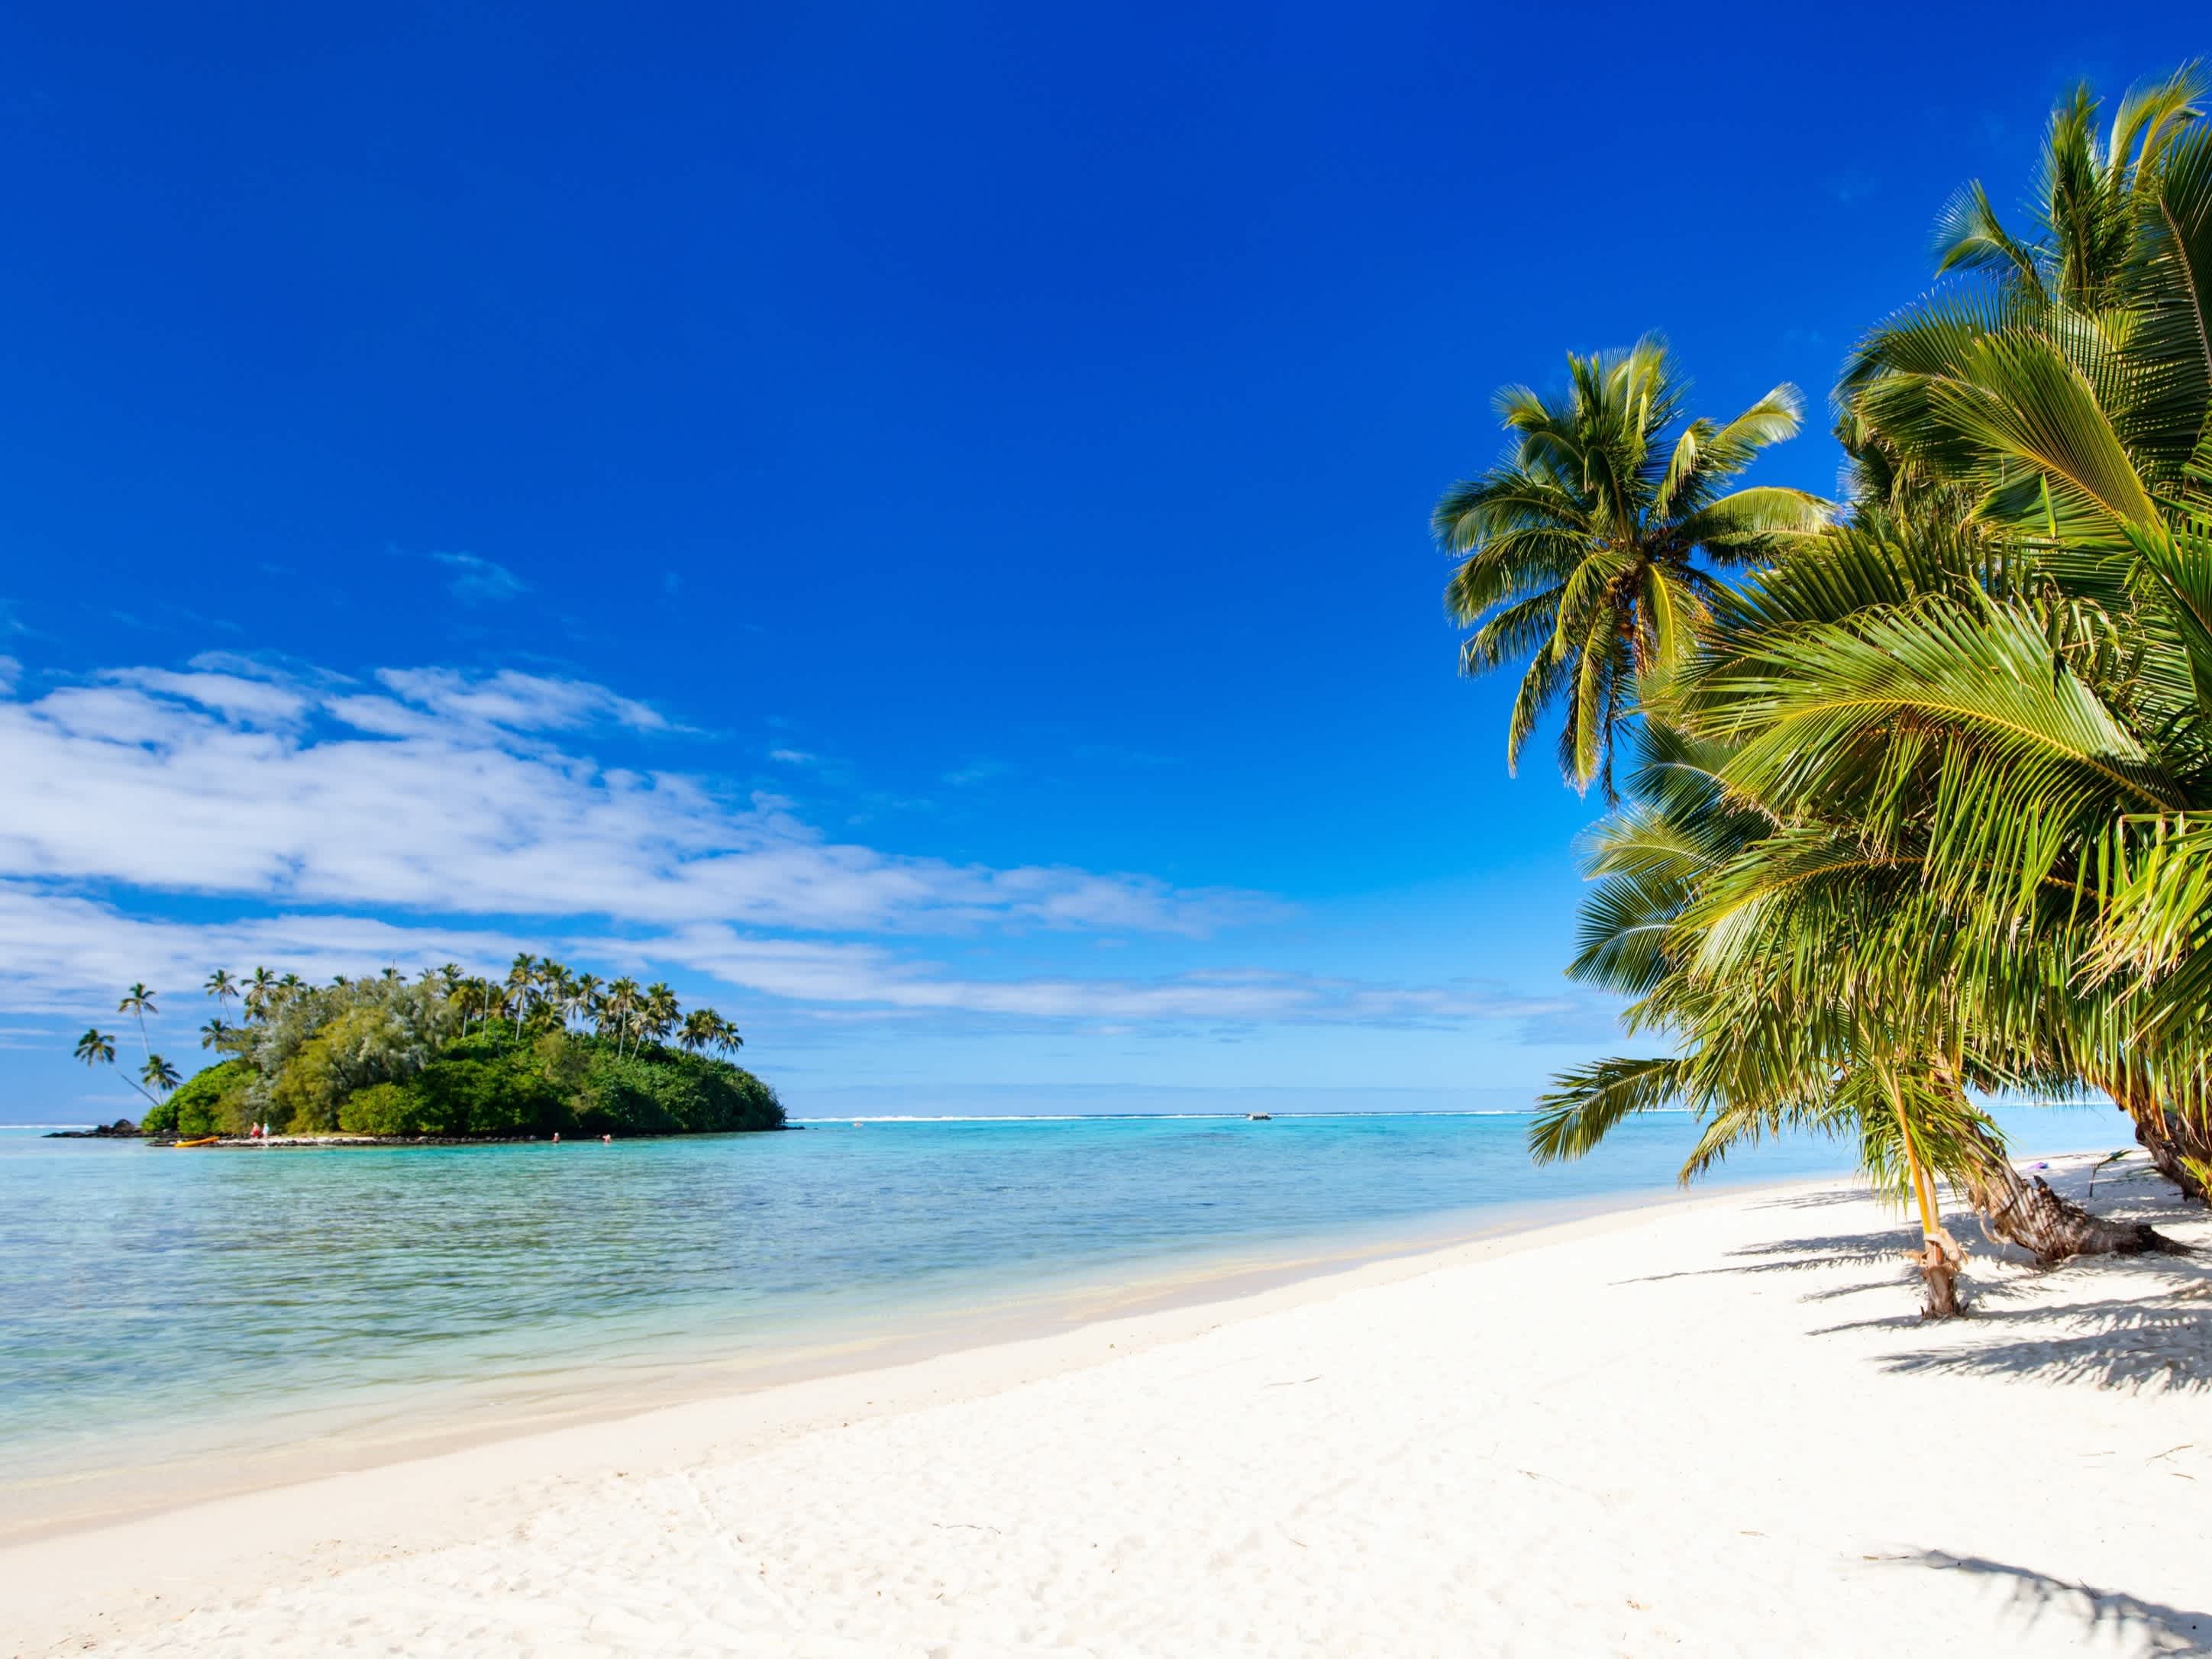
(1709,1428)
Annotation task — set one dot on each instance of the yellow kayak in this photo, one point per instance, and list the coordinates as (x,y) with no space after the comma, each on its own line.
(204,1140)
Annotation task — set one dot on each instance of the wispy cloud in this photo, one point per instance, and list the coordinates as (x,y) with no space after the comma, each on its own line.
(480,581)
(236,813)
(441,791)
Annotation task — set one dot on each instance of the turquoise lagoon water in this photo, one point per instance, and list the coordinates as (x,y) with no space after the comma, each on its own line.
(297,1295)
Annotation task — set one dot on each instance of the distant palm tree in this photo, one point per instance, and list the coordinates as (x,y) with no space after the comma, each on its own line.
(520,976)
(621,1002)
(221,986)
(583,998)
(158,1073)
(213,1033)
(139,1002)
(97,1048)
(720,1033)
(1582,547)
(660,1011)
(697,1031)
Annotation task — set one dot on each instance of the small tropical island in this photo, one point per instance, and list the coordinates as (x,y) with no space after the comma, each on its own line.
(445,1056)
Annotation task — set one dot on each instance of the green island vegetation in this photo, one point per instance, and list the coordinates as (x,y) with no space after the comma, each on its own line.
(546,1052)
(1910,792)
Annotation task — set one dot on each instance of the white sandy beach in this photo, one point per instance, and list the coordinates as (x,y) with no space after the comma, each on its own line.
(1709,1427)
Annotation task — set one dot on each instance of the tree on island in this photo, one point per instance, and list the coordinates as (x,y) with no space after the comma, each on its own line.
(96,1048)
(450,1053)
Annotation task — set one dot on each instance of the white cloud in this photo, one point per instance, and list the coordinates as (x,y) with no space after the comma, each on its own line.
(442,793)
(384,819)
(817,971)
(66,954)
(61,953)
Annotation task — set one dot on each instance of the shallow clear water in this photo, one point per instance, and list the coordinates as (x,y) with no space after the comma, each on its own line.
(141,1288)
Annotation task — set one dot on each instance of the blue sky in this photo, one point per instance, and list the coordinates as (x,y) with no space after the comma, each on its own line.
(907,522)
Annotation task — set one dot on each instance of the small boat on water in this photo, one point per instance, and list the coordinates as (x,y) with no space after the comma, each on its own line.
(204,1140)
(1259,1117)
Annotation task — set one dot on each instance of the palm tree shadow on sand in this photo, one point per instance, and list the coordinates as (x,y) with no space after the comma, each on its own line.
(2108,1322)
(2113,1615)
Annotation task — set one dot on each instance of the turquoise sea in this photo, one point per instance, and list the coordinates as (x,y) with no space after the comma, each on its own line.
(163,1309)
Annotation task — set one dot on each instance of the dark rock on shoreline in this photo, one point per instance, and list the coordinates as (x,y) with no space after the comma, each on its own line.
(122,1129)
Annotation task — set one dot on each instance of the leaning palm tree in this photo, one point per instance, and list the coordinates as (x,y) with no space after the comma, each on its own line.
(1805,986)
(158,1073)
(138,1002)
(97,1048)
(2067,402)
(1587,552)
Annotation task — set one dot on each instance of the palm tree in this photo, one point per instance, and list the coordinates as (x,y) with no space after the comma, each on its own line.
(212,1034)
(2091,197)
(221,986)
(158,1073)
(2065,401)
(97,1048)
(553,983)
(260,986)
(1586,550)
(698,1031)
(521,976)
(582,998)
(1808,984)
(139,1002)
(2064,384)
(620,1004)
(660,1011)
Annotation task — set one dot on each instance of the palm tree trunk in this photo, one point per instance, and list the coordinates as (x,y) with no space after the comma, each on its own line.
(1939,1257)
(2026,1211)
(2181,1149)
